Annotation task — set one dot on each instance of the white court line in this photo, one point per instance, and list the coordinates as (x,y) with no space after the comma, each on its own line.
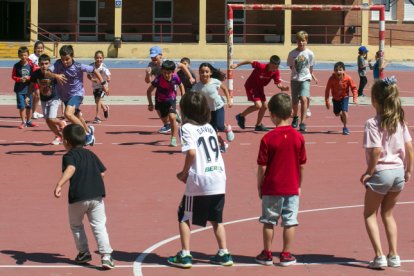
(138,262)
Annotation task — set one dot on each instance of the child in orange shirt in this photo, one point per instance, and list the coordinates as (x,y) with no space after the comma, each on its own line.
(339,84)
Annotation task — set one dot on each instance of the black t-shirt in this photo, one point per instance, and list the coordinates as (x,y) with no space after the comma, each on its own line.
(86,183)
(186,80)
(47,87)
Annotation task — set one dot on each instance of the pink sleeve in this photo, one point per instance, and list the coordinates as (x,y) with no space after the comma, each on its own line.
(372,135)
(406,134)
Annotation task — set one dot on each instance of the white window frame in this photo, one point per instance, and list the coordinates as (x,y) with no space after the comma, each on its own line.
(88,37)
(165,38)
(389,15)
(236,37)
(408,11)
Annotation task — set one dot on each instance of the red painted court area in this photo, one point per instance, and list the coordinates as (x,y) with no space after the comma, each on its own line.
(143,195)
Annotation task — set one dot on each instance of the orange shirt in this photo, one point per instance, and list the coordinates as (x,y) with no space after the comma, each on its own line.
(340,88)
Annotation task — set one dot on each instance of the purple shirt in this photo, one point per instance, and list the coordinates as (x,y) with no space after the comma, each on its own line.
(74,75)
(166,90)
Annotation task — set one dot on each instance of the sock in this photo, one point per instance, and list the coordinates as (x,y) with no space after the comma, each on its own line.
(223,251)
(185,252)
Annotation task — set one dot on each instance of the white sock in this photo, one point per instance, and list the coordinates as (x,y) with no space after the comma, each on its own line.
(223,251)
(185,252)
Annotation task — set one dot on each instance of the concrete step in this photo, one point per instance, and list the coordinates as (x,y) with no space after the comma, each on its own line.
(9,49)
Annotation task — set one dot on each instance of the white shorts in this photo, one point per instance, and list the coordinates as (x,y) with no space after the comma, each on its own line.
(50,108)
(386,181)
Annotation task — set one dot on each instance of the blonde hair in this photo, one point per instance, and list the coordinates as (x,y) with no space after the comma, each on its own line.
(302,35)
(386,95)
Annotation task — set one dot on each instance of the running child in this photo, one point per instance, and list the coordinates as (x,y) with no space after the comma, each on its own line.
(69,74)
(390,158)
(183,75)
(49,98)
(39,47)
(205,180)
(209,84)
(301,61)
(166,86)
(281,160)
(362,69)
(379,66)
(260,77)
(97,87)
(338,86)
(85,172)
(21,76)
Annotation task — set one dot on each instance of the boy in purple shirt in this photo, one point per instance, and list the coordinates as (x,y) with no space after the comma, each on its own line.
(69,75)
(165,97)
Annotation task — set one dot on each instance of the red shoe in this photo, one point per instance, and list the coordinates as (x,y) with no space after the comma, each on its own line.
(22,126)
(31,124)
(265,258)
(287,259)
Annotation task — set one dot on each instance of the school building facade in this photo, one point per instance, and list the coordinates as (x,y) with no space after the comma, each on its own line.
(197,28)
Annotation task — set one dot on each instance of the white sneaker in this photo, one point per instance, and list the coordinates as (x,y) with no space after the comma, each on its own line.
(378,262)
(308,113)
(57,141)
(229,133)
(394,261)
(37,115)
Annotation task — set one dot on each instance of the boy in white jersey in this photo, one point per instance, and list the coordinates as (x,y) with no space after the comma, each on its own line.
(205,179)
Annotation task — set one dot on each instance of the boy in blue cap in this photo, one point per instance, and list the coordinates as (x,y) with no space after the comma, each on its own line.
(362,69)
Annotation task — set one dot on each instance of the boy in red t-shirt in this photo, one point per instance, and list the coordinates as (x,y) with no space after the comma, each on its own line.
(260,77)
(280,162)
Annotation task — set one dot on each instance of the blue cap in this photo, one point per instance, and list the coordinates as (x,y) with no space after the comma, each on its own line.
(155,51)
(363,49)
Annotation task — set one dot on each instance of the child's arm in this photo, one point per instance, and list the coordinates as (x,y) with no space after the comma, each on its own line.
(373,156)
(101,81)
(235,65)
(189,159)
(66,175)
(260,177)
(313,75)
(15,77)
(182,89)
(302,168)
(282,87)
(148,75)
(149,97)
(327,91)
(61,79)
(409,161)
(354,90)
(186,71)
(226,92)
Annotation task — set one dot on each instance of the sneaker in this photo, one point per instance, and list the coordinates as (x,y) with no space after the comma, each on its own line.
(181,261)
(22,126)
(90,140)
(37,115)
(97,120)
(57,141)
(83,257)
(224,260)
(229,133)
(260,127)
(393,261)
(165,129)
(106,112)
(264,258)
(173,142)
(295,121)
(178,117)
(241,121)
(308,113)
(107,262)
(378,262)
(345,131)
(224,147)
(302,127)
(91,130)
(31,124)
(362,95)
(287,259)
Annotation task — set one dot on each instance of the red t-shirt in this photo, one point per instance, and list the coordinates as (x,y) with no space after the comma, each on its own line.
(282,151)
(260,77)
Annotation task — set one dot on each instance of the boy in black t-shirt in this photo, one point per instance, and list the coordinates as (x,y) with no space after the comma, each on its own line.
(85,172)
(48,97)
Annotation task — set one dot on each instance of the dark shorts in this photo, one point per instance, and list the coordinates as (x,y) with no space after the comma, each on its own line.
(217,119)
(341,105)
(98,93)
(200,209)
(166,107)
(255,94)
(21,103)
(75,101)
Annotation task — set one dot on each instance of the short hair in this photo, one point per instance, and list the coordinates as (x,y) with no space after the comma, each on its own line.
(22,49)
(168,65)
(275,59)
(66,50)
(44,57)
(37,43)
(99,52)
(185,59)
(302,35)
(281,106)
(338,65)
(75,135)
(194,108)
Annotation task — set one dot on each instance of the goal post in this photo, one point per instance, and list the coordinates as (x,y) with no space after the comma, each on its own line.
(269,7)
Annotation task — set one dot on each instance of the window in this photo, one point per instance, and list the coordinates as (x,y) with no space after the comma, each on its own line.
(239,17)
(162,20)
(389,15)
(87,20)
(408,10)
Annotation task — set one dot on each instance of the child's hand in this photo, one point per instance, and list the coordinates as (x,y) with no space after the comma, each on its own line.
(58,191)
(259,191)
(182,176)
(407,176)
(327,105)
(234,66)
(316,80)
(27,101)
(95,80)
(23,79)
(284,88)
(230,102)
(192,80)
(61,79)
(364,178)
(150,107)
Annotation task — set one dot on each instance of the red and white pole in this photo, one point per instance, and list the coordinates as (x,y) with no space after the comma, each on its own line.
(230,49)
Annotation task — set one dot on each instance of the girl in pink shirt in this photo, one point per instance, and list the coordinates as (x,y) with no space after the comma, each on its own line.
(390,156)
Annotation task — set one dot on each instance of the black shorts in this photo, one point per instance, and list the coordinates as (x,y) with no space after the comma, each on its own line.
(166,107)
(98,93)
(200,209)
